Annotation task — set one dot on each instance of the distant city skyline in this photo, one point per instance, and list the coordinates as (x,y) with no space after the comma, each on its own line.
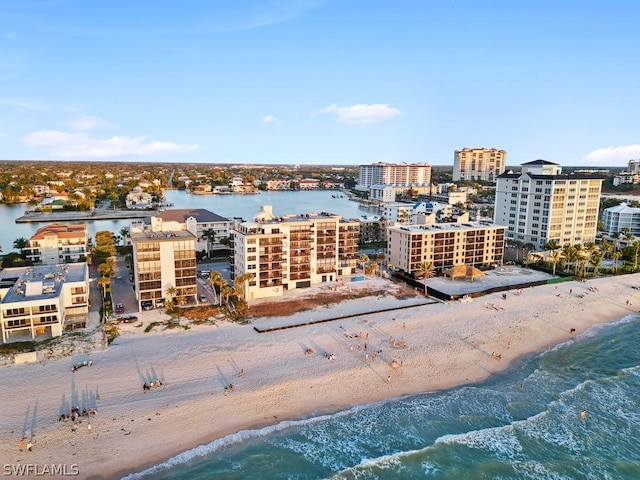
(319,81)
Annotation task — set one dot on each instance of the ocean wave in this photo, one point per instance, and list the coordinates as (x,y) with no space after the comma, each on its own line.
(241,436)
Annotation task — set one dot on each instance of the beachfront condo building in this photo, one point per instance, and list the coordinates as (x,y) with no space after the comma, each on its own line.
(58,243)
(292,251)
(540,204)
(210,229)
(164,259)
(40,302)
(621,218)
(393,174)
(445,245)
(478,164)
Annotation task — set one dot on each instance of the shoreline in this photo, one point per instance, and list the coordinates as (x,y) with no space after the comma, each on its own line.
(449,345)
(87,216)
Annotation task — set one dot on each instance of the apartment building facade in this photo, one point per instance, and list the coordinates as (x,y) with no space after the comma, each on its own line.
(58,243)
(445,245)
(541,204)
(163,259)
(478,164)
(40,302)
(620,218)
(292,251)
(393,174)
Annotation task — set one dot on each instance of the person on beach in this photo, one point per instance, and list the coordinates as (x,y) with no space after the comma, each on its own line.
(583,415)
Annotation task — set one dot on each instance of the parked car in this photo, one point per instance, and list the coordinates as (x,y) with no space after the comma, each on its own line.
(146,305)
(203,298)
(119,308)
(160,303)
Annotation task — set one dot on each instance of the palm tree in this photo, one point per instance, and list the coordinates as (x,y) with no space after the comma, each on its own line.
(426,270)
(363,259)
(614,258)
(636,252)
(104,282)
(554,257)
(225,292)
(20,243)
(210,235)
(240,283)
(221,283)
(371,268)
(595,259)
(124,233)
(214,278)
(171,292)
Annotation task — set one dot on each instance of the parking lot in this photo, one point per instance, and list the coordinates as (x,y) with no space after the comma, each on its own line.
(122,290)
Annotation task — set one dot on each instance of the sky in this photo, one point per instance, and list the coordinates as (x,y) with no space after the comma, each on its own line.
(342,82)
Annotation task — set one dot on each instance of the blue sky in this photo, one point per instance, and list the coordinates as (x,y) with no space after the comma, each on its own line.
(319,81)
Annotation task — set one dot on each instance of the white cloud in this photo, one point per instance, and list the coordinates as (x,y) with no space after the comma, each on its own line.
(361,114)
(81,146)
(613,156)
(269,119)
(90,122)
(22,104)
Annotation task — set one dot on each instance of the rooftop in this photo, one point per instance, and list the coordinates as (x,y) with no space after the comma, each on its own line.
(443,227)
(61,230)
(161,236)
(39,282)
(200,214)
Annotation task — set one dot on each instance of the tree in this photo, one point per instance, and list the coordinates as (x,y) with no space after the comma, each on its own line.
(214,278)
(108,267)
(20,243)
(210,235)
(426,270)
(363,260)
(636,252)
(554,257)
(104,282)
(171,292)
(240,283)
(615,255)
(595,259)
(371,269)
(225,292)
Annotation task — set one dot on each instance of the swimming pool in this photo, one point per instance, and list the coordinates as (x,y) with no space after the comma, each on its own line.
(359,278)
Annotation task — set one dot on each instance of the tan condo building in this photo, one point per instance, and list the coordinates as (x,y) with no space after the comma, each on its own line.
(540,204)
(445,245)
(163,259)
(292,251)
(478,164)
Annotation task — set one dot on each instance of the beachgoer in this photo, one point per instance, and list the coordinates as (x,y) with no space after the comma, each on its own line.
(241,372)
(30,446)
(583,414)
(21,444)
(389,379)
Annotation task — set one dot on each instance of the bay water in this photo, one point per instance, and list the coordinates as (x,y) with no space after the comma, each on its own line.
(525,424)
(229,206)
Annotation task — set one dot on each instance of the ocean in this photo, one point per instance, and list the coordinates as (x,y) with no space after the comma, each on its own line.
(524,424)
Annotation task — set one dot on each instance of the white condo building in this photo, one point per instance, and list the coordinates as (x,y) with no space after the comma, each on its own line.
(484,164)
(292,251)
(58,243)
(38,303)
(393,174)
(540,204)
(208,227)
(621,217)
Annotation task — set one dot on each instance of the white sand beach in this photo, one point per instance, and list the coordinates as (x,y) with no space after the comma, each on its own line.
(274,378)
